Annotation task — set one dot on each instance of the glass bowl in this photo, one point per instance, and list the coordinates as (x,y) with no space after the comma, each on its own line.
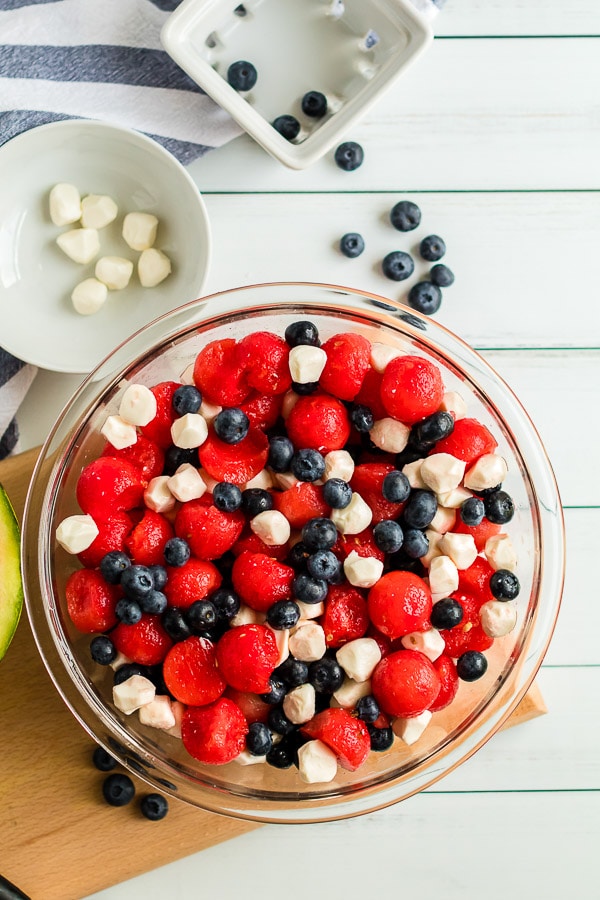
(162,351)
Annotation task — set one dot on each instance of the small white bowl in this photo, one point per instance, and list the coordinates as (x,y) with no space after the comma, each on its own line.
(39,323)
(298,47)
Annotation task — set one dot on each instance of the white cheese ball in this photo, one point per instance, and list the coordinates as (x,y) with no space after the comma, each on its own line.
(98,211)
(139,230)
(138,405)
(316,763)
(114,271)
(306,363)
(80,244)
(153,267)
(498,618)
(354,518)
(76,533)
(89,296)
(64,204)
(118,432)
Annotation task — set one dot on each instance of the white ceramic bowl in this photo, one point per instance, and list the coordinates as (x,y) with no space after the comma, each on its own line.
(39,323)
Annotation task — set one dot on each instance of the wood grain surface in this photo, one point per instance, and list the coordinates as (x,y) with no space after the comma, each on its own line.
(59,839)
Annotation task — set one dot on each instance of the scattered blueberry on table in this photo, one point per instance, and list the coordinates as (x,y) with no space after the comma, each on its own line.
(349,156)
(398,265)
(352,244)
(314,104)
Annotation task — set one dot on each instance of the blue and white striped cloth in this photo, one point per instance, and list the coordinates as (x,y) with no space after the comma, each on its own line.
(99,59)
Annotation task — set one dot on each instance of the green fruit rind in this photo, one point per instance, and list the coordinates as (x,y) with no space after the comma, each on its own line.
(11,582)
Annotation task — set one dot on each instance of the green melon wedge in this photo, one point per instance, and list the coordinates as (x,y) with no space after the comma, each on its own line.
(11,583)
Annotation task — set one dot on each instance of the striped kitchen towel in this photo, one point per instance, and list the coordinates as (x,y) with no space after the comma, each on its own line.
(102,59)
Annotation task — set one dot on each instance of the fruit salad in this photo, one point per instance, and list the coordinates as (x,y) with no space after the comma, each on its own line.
(295,553)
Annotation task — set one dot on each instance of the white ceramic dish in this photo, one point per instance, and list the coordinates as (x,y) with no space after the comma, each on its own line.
(39,323)
(298,46)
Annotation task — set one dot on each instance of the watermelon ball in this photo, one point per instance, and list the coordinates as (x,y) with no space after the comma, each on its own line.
(405,683)
(399,604)
(411,388)
(214,734)
(246,657)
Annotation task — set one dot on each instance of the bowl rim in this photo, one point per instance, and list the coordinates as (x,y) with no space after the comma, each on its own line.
(375,797)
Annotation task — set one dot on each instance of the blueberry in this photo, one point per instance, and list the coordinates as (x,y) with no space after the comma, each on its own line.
(326,675)
(405,216)
(314,104)
(504,585)
(471,665)
(279,722)
(186,399)
(432,248)
(227,497)
(160,576)
(416,543)
(201,615)
(128,611)
(154,603)
(127,670)
(276,693)
(308,589)
(420,509)
(242,75)
(154,807)
(395,487)
(446,614)
(337,493)
(102,650)
(175,624)
(425,297)
(293,672)
(226,602)
(352,244)
(349,156)
(179,456)
(255,501)
(381,738)
(431,429)
(302,333)
(281,451)
(283,614)
(258,739)
(287,126)
(280,756)
(408,455)
(298,556)
(118,790)
(113,565)
(472,511)
(308,465)
(499,507)
(441,275)
(367,709)
(137,581)
(324,565)
(103,761)
(388,535)
(362,418)
(319,534)
(303,388)
(231,425)
(398,265)
(176,552)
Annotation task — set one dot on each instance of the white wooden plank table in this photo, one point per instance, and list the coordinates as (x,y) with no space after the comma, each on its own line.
(495,134)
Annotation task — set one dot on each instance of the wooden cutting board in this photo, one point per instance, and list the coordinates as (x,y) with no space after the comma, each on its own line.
(58,838)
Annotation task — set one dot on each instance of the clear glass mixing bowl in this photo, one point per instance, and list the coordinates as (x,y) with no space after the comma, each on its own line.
(161,351)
